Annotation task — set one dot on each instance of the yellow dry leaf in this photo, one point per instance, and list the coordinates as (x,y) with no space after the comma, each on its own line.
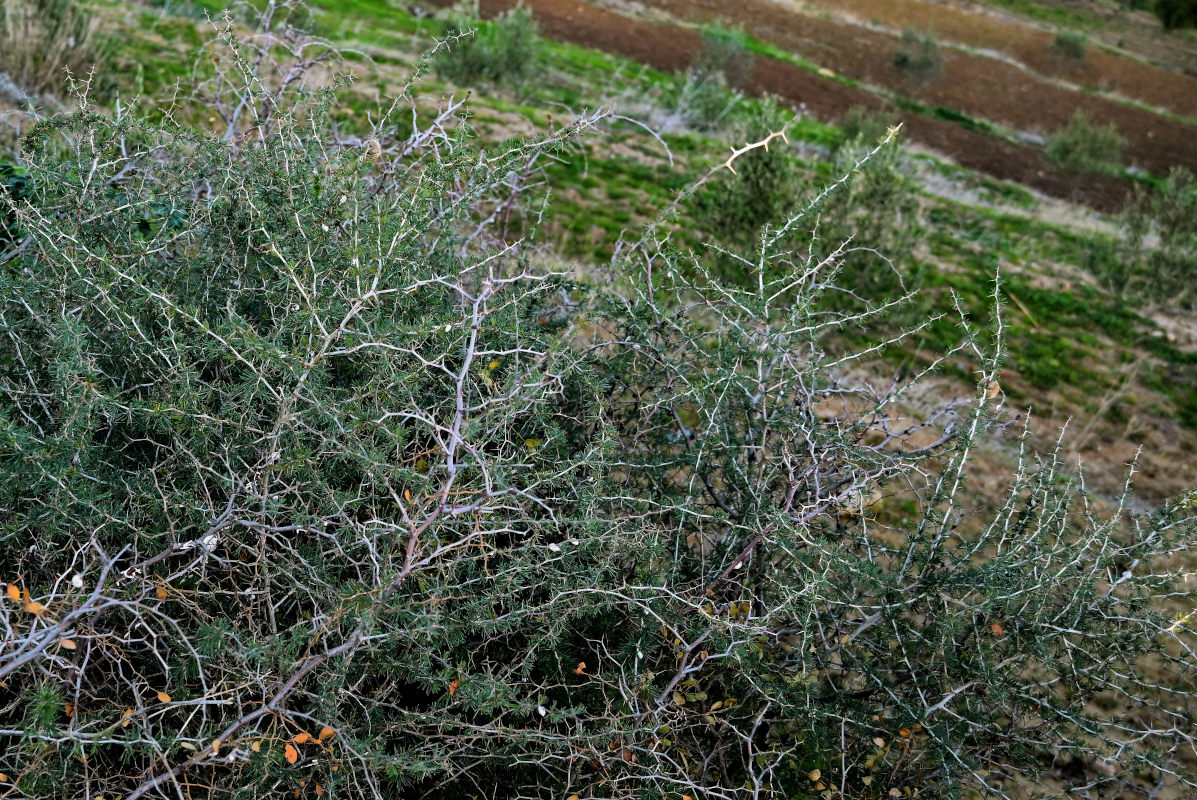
(215,746)
(302,737)
(35,608)
(531,444)
(572,797)
(162,594)
(3,778)
(814,774)
(163,697)
(14,594)
(325,732)
(678,700)
(67,644)
(291,754)
(820,786)
(125,717)
(256,746)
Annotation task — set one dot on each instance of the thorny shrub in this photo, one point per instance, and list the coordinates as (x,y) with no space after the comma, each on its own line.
(312,484)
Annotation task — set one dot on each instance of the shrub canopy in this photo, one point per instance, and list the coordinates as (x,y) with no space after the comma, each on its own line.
(314,483)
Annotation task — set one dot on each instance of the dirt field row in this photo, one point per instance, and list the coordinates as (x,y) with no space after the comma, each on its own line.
(669,47)
(984,88)
(1101,70)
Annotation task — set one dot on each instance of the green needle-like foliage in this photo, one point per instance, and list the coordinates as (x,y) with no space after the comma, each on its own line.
(313,484)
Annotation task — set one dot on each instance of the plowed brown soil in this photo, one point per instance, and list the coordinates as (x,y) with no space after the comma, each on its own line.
(980,87)
(1100,70)
(669,47)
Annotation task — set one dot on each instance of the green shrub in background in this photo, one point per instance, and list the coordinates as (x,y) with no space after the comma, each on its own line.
(878,210)
(918,58)
(1168,269)
(1175,14)
(725,52)
(1069,47)
(503,51)
(865,125)
(708,92)
(762,189)
(1082,148)
(313,484)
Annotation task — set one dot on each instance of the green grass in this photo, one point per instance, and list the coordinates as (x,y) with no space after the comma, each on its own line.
(1059,16)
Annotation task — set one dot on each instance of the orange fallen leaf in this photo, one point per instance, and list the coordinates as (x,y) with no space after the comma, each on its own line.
(256,746)
(580,669)
(302,737)
(997,629)
(572,797)
(125,717)
(67,644)
(904,733)
(291,754)
(319,790)
(820,786)
(69,710)
(35,608)
(453,687)
(325,732)
(215,746)
(162,595)
(14,594)
(163,697)
(3,778)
